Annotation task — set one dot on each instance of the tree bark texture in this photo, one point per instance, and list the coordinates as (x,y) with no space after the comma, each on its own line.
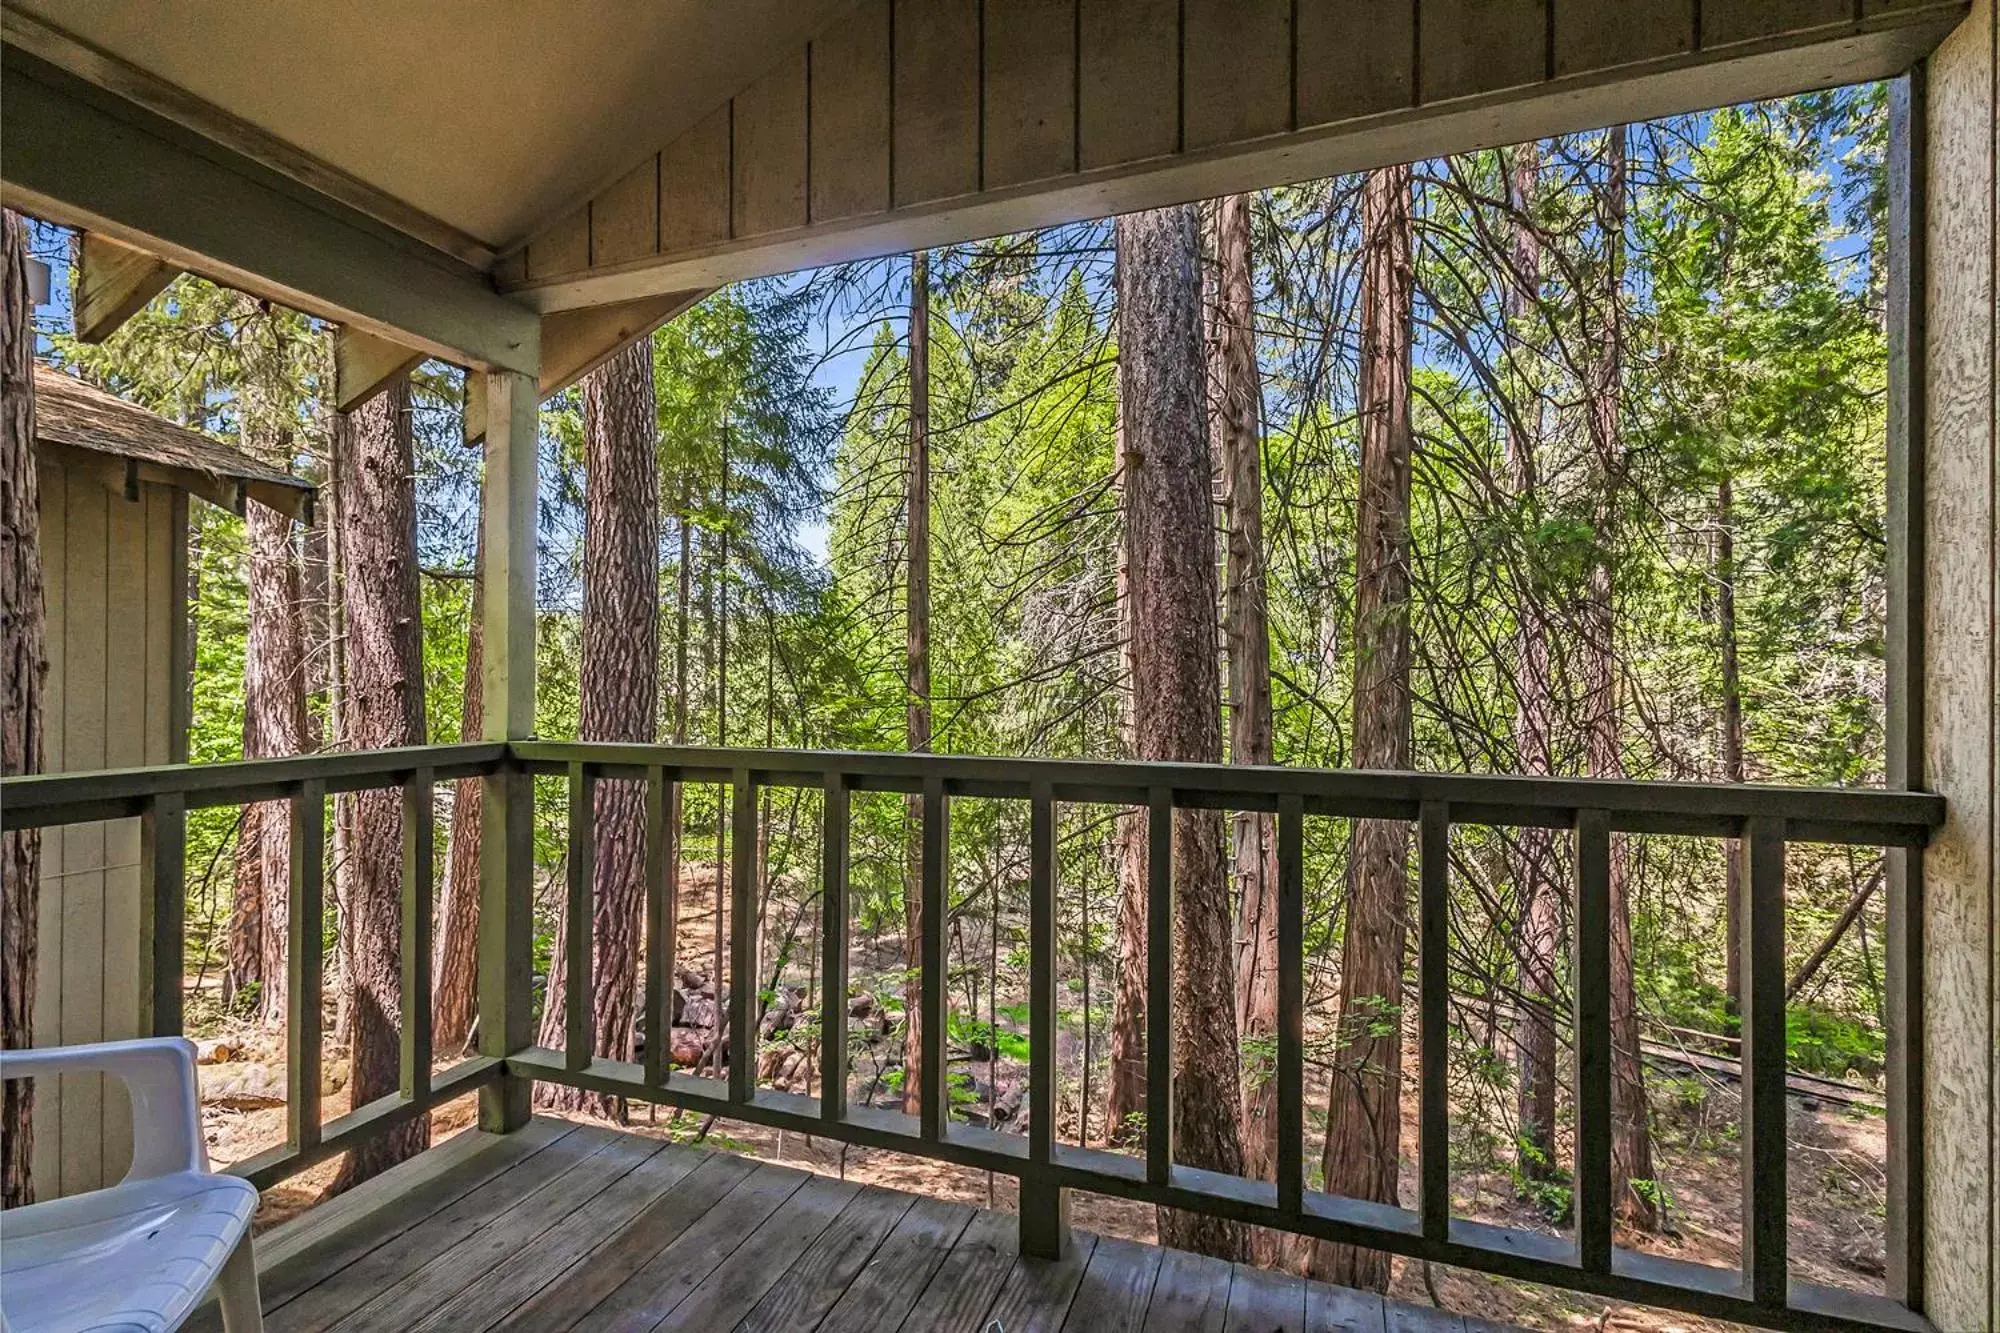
(1364,1126)
(1534,858)
(1238,429)
(618,685)
(274,677)
(1126,1095)
(455,967)
(1168,517)
(917,621)
(1631,1138)
(24,662)
(384,708)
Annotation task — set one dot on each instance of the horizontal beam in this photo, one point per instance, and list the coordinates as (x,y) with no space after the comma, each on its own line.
(75,155)
(914,124)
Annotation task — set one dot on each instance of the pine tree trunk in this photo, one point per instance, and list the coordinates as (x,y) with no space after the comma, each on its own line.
(618,685)
(1125,1098)
(918,660)
(1365,1118)
(23,664)
(1247,638)
(384,708)
(1534,849)
(1178,698)
(1631,1138)
(455,971)
(1733,769)
(274,677)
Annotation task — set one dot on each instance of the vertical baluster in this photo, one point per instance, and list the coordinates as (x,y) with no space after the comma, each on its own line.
(660,927)
(304,966)
(1159,985)
(933,1098)
(418,878)
(833,955)
(743,980)
(163,838)
(1291,1004)
(1044,1208)
(1592,981)
(580,927)
(1433,939)
(1762,912)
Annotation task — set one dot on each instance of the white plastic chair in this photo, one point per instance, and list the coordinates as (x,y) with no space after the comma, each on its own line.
(138,1256)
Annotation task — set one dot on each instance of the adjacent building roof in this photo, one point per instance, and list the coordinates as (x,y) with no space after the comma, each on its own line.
(73,415)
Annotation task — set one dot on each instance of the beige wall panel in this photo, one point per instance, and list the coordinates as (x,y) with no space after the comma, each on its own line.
(1480,46)
(1355,58)
(1238,60)
(564,248)
(1593,35)
(850,115)
(694,186)
(1030,90)
(1128,85)
(769,151)
(1725,21)
(85,633)
(48,937)
(935,134)
(1962,534)
(625,219)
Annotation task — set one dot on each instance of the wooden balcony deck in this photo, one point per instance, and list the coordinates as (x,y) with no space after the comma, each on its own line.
(572,1226)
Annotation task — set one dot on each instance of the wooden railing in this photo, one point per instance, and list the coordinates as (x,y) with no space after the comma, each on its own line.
(1763,820)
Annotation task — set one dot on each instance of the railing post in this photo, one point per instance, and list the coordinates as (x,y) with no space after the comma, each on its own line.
(1044,1205)
(419,878)
(661,926)
(1159,985)
(934,1102)
(743,928)
(1592,1185)
(506,851)
(1762,912)
(833,954)
(580,926)
(163,844)
(1290,1163)
(304,966)
(1433,997)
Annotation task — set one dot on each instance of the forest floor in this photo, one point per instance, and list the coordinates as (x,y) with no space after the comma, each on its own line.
(1837,1156)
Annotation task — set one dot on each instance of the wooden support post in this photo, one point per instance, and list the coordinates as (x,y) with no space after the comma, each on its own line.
(1591,980)
(1434,994)
(833,954)
(1762,912)
(419,880)
(163,840)
(1044,1207)
(743,929)
(934,1096)
(1159,985)
(506,874)
(661,926)
(304,967)
(1904,693)
(113,282)
(1291,1005)
(579,927)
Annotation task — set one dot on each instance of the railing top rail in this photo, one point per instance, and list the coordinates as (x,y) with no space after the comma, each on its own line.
(1811,814)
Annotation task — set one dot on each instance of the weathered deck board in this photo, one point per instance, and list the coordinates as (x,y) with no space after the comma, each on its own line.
(582,1227)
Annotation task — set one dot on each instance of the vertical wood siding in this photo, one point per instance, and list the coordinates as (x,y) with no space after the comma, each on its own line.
(109,701)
